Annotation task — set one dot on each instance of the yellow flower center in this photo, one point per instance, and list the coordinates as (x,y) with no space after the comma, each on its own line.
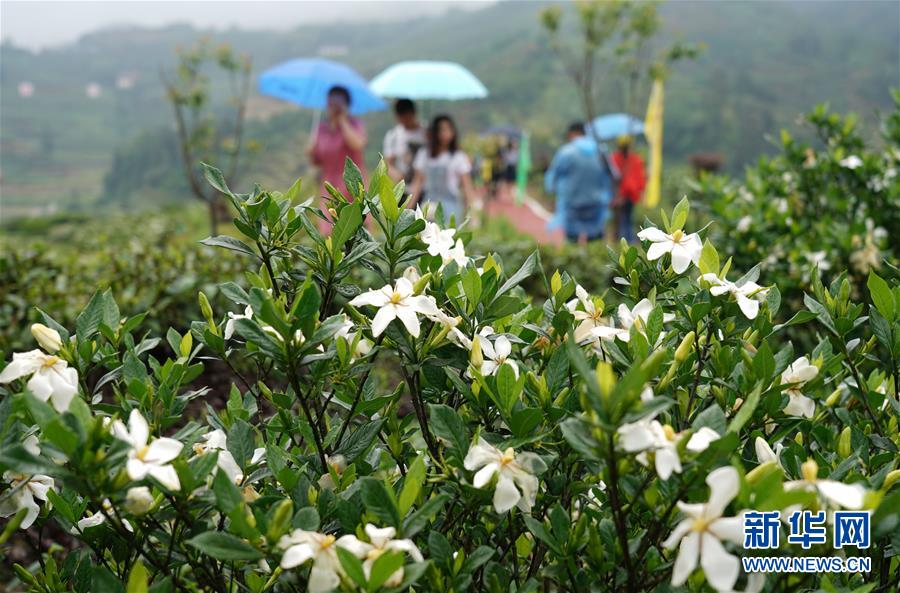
(142,452)
(327,541)
(374,554)
(49,361)
(677,235)
(669,432)
(396,298)
(508,456)
(700,524)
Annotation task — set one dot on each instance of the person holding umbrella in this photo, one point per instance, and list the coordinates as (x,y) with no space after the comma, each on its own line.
(338,137)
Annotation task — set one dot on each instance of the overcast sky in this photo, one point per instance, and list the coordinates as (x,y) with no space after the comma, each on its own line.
(37,24)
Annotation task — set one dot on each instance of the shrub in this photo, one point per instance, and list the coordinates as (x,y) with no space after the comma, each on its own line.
(552,444)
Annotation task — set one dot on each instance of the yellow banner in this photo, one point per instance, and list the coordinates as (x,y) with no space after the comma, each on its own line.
(653,131)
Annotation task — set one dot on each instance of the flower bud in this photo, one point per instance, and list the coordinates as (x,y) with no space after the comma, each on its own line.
(476,358)
(833,398)
(281,520)
(684,349)
(555,282)
(762,471)
(47,338)
(138,500)
(798,438)
(891,479)
(844,448)
(421,283)
(810,470)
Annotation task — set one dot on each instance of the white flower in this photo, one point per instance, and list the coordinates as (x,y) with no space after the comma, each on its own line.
(301,546)
(743,225)
(848,496)
(683,248)
(851,162)
(217,440)
(649,435)
(748,295)
(516,482)
(381,541)
(23,490)
(764,452)
(99,518)
(51,377)
(337,463)
(819,259)
(397,302)
(496,355)
(456,254)
(232,318)
(346,331)
(138,500)
(438,240)
(47,338)
(797,375)
(704,529)
(636,316)
(589,316)
(148,459)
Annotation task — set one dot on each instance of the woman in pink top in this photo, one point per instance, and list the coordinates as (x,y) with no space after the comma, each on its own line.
(339,136)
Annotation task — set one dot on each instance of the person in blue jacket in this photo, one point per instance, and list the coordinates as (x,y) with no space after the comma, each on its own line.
(581,178)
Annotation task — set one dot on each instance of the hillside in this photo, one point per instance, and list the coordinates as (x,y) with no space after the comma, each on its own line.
(764,64)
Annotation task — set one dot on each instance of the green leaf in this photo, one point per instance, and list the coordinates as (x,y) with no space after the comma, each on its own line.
(712,417)
(223,546)
(388,199)
(88,321)
(412,484)
(352,566)
(764,363)
(680,214)
(709,259)
(352,178)
(380,501)
(575,431)
(386,565)
(215,178)
(881,296)
(745,412)
(137,579)
(228,497)
(241,443)
(448,426)
(231,243)
(294,191)
(414,523)
(360,440)
(531,264)
(349,220)
(103,581)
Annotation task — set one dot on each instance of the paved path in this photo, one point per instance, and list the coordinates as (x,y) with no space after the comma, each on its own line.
(530,217)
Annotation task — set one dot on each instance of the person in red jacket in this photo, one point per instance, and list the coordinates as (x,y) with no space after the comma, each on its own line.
(631,187)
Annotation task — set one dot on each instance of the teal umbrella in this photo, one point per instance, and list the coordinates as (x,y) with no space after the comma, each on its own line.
(428,80)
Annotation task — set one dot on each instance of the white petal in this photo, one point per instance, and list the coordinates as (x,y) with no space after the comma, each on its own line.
(636,436)
(653,234)
(657,250)
(23,364)
(800,405)
(528,484)
(65,386)
(724,484)
(749,307)
(227,464)
(408,316)
(138,429)
(376,298)
(764,452)
(721,568)
(405,545)
(701,439)
(667,461)
(163,450)
(296,555)
(849,496)
(137,469)
(40,386)
(506,496)
(384,316)
(166,476)
(687,558)
(502,347)
(484,475)
(322,579)
(681,258)
(728,529)
(353,545)
(380,536)
(682,529)
(480,454)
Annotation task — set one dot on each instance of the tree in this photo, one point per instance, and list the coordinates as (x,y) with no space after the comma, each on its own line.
(616,36)
(205,135)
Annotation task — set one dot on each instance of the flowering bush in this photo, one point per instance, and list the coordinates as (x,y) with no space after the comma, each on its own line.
(830,205)
(414,419)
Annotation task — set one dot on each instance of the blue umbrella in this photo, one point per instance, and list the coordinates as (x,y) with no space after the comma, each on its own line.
(428,80)
(609,127)
(305,81)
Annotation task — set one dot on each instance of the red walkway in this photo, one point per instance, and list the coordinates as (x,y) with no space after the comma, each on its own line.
(529,217)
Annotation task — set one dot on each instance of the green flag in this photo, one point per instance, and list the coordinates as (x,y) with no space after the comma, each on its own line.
(523,167)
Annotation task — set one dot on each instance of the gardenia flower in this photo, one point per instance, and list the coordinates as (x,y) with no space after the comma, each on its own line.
(144,458)
(648,435)
(588,315)
(23,490)
(747,294)
(851,162)
(99,518)
(636,316)
(301,546)
(495,355)
(764,452)
(797,375)
(232,318)
(516,482)
(218,441)
(51,377)
(683,248)
(397,302)
(848,496)
(138,500)
(381,541)
(363,347)
(704,529)
(438,240)
(47,338)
